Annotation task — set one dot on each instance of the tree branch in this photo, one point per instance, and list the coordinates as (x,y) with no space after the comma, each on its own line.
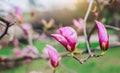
(8,24)
(112,27)
(85,33)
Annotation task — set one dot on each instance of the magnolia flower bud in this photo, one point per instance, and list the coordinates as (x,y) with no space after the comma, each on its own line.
(96,14)
(53,55)
(67,36)
(17,51)
(19,14)
(79,24)
(26,28)
(102,35)
(16,43)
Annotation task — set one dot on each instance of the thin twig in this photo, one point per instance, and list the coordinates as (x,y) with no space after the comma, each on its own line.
(92,29)
(7,26)
(112,27)
(79,60)
(85,33)
(85,59)
(30,38)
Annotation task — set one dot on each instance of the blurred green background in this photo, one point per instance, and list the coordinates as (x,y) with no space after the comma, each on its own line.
(110,63)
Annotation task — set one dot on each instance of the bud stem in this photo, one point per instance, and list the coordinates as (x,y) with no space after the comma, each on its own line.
(104,52)
(54,70)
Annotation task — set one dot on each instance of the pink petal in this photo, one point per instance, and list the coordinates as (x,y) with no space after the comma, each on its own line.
(43,35)
(81,22)
(53,55)
(19,13)
(34,50)
(102,35)
(26,51)
(16,43)
(96,14)
(26,28)
(71,36)
(60,39)
(76,23)
(45,52)
(17,51)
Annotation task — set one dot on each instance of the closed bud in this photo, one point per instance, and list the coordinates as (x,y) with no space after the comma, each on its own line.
(79,24)
(102,35)
(67,36)
(96,14)
(53,55)
(26,28)
(19,14)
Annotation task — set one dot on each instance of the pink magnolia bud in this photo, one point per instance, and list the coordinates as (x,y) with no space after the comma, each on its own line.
(19,14)
(16,43)
(79,24)
(43,35)
(96,14)
(26,28)
(53,55)
(67,37)
(16,50)
(102,35)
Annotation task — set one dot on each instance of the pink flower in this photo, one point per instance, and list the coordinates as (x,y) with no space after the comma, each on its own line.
(67,37)
(26,28)
(19,14)
(34,50)
(26,51)
(30,50)
(102,35)
(45,52)
(79,24)
(53,55)
(17,51)
(43,35)
(16,43)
